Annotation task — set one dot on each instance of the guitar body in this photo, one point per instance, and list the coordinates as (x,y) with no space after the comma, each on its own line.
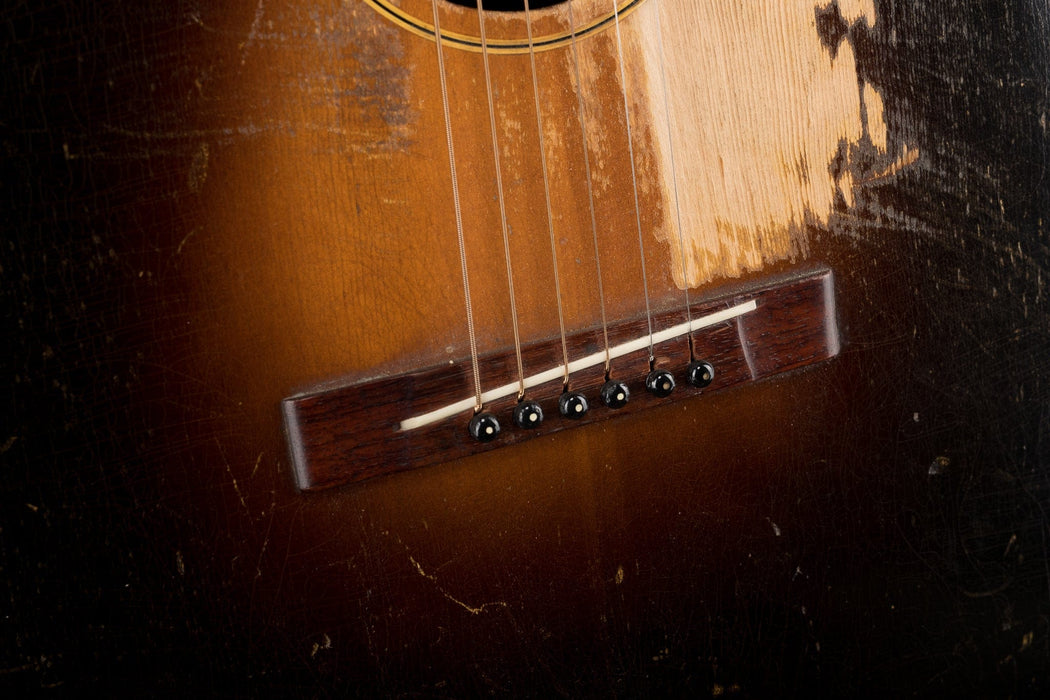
(223,207)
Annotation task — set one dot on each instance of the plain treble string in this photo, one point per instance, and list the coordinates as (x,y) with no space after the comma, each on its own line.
(502,200)
(634,176)
(674,173)
(590,185)
(547,194)
(458,211)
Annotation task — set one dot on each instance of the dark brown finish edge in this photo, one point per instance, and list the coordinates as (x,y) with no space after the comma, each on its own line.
(339,434)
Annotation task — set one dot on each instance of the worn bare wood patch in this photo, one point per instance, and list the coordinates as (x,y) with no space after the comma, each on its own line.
(764,107)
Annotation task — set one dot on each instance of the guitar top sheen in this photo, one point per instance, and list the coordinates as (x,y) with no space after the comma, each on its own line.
(256,244)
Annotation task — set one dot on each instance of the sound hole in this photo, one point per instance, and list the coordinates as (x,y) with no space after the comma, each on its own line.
(507,5)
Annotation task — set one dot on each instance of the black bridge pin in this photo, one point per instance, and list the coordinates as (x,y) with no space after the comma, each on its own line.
(572,404)
(660,383)
(484,427)
(615,394)
(700,373)
(528,414)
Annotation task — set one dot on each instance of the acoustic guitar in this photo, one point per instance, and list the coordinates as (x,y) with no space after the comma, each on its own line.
(586,347)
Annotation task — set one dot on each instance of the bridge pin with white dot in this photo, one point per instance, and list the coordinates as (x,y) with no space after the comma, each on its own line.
(615,394)
(660,383)
(572,404)
(528,414)
(484,427)
(700,373)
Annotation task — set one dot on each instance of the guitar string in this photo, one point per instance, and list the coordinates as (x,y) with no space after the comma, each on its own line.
(547,194)
(674,172)
(457,206)
(502,200)
(582,363)
(590,185)
(634,177)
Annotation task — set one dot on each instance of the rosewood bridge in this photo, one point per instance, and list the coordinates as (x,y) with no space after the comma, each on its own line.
(346,432)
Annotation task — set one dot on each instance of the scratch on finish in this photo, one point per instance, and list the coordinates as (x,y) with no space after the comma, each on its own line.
(253,31)
(745,348)
(188,236)
(776,528)
(198,168)
(229,470)
(469,608)
(8,444)
(325,643)
(262,551)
